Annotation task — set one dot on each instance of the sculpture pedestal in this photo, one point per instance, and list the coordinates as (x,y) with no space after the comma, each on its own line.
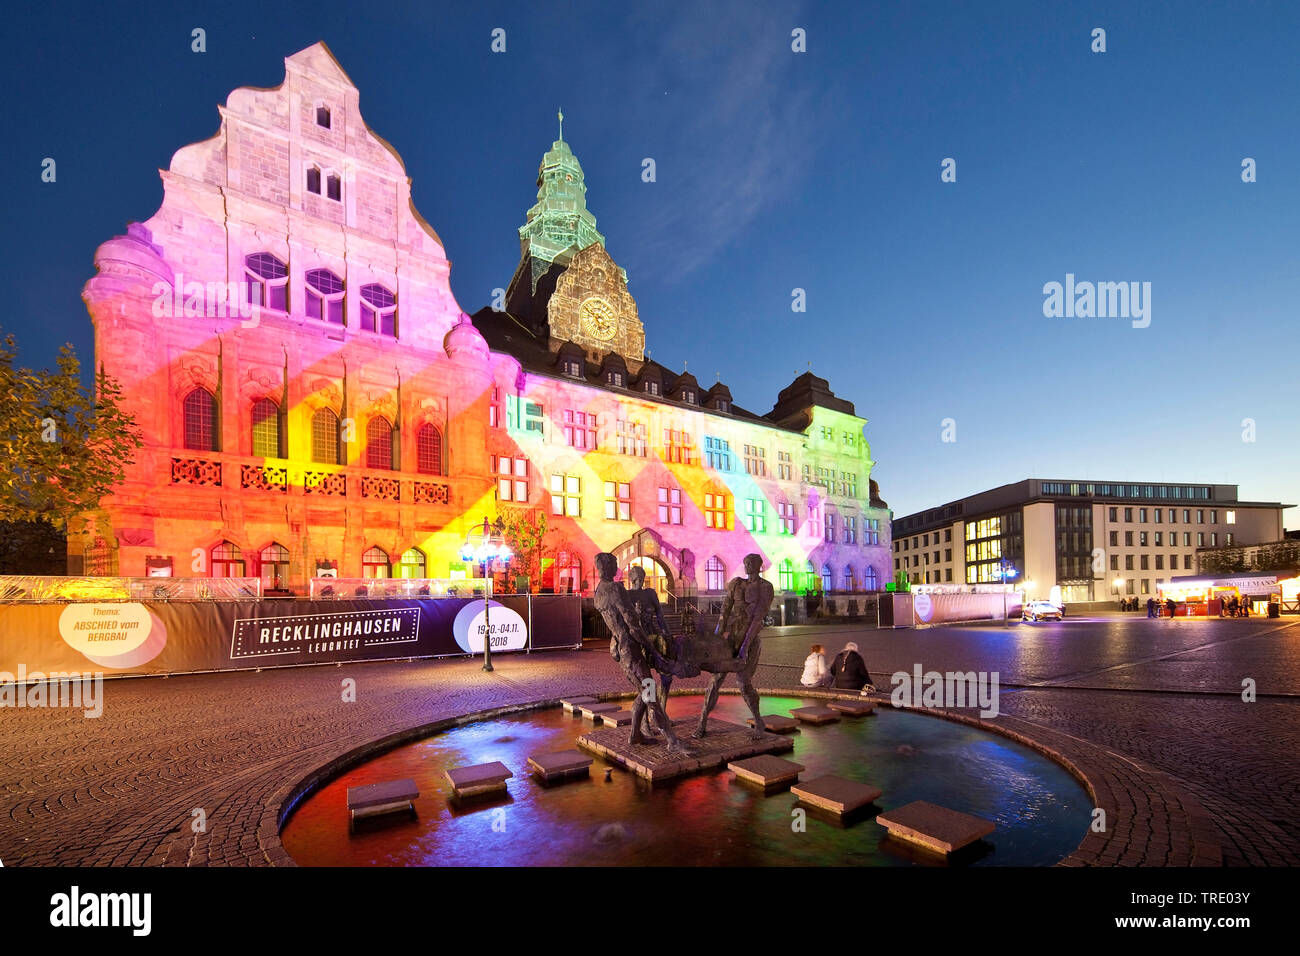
(724,743)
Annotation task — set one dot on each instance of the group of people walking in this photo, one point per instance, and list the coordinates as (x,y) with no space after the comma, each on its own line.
(848,671)
(1234,607)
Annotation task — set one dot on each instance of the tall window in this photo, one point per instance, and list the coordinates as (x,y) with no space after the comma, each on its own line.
(533,417)
(374,564)
(830,526)
(494,409)
(323,116)
(579,429)
(325,437)
(851,529)
(756,461)
(566,495)
(670,506)
(568,573)
(826,577)
(717,512)
(267,281)
(848,578)
(618,501)
(412,564)
(785,516)
(631,439)
(678,447)
(512,478)
(379,443)
(313,179)
(274,565)
(428,450)
(717,453)
(715,574)
(324,296)
(784,467)
(266,428)
(227,561)
(334,187)
(873,583)
(785,575)
(755,515)
(378,309)
(200,410)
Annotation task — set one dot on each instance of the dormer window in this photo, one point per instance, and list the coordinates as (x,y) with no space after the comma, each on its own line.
(688,396)
(313,179)
(652,387)
(724,405)
(616,378)
(573,368)
(323,116)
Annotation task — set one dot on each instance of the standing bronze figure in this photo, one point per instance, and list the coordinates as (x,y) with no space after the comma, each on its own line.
(746,605)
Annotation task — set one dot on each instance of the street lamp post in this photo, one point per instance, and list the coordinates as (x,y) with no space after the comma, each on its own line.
(1005,570)
(1117,582)
(482,548)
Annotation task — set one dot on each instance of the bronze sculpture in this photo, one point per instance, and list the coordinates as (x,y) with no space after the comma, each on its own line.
(649,611)
(632,648)
(746,605)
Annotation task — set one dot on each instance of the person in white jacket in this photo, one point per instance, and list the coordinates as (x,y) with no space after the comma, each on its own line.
(815,672)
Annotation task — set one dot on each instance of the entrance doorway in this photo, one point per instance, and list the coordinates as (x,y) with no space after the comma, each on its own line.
(657,576)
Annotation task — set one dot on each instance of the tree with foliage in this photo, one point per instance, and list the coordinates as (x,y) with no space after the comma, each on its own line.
(65,447)
(524,529)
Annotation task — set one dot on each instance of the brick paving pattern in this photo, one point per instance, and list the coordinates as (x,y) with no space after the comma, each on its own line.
(1148,713)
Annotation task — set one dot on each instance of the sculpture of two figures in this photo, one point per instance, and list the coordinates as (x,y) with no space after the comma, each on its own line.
(641,642)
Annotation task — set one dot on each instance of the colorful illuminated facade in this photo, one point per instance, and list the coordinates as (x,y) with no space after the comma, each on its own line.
(312,396)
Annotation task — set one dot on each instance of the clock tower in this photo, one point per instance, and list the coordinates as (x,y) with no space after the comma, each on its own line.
(566,287)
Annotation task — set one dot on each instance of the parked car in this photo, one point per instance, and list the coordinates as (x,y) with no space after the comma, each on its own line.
(1042,611)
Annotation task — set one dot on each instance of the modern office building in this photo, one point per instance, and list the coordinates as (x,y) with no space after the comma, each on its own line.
(312,397)
(1096,541)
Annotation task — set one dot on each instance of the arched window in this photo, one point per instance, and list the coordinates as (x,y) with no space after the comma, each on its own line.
(872,582)
(324,296)
(378,310)
(715,574)
(413,564)
(274,565)
(227,561)
(848,578)
(313,179)
(826,577)
(268,281)
(374,564)
(810,579)
(428,450)
(785,575)
(200,421)
(379,443)
(266,428)
(325,437)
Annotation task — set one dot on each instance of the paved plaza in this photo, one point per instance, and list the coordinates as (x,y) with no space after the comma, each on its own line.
(1150,712)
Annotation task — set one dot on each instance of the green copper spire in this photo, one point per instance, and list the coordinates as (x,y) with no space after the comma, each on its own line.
(559,224)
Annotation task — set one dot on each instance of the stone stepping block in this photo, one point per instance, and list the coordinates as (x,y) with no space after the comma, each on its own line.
(570,704)
(815,715)
(479,779)
(375,799)
(767,770)
(934,827)
(615,718)
(591,710)
(854,708)
(559,764)
(836,794)
(776,724)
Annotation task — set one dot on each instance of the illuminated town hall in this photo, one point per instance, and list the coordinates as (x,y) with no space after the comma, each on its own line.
(312,397)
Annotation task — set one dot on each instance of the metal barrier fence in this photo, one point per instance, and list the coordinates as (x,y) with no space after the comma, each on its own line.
(43,589)
(363,588)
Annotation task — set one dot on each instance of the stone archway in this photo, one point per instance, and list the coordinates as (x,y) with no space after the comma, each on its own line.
(657,575)
(661,561)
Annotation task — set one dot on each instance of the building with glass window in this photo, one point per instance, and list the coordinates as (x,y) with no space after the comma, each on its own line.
(313,398)
(1095,541)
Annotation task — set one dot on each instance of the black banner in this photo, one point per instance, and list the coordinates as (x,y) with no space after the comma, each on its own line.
(126,638)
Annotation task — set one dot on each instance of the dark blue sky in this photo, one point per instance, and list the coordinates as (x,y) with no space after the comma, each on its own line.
(777,171)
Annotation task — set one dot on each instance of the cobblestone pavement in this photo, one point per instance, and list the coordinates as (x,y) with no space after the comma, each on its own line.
(1149,711)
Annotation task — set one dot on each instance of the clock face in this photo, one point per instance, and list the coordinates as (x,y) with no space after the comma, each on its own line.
(599,320)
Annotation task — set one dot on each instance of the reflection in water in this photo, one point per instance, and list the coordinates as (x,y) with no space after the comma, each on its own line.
(705,820)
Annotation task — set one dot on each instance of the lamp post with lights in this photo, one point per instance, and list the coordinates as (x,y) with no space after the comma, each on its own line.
(1117,582)
(1006,570)
(483,546)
